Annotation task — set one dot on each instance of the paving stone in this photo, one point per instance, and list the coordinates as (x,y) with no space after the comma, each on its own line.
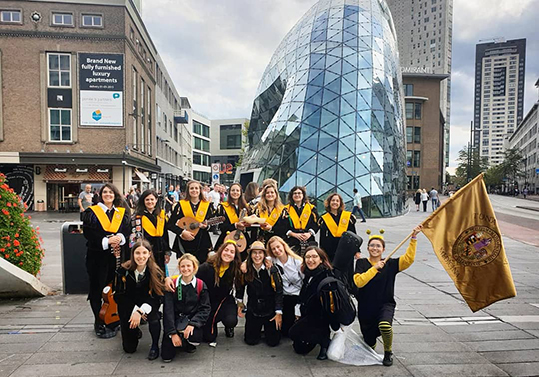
(95,344)
(507,345)
(430,347)
(365,371)
(521,369)
(68,357)
(492,335)
(24,338)
(90,369)
(433,358)
(519,356)
(478,328)
(19,348)
(456,370)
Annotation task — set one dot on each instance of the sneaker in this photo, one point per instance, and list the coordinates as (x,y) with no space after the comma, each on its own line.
(213,344)
(229,332)
(167,360)
(99,329)
(108,333)
(323,355)
(388,358)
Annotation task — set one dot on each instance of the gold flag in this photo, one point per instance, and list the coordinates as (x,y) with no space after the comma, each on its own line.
(466,239)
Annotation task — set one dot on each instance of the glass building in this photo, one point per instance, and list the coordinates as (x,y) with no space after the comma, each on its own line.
(328,113)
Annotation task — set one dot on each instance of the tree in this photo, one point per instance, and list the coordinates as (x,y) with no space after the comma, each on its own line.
(512,158)
(470,165)
(20,243)
(494,176)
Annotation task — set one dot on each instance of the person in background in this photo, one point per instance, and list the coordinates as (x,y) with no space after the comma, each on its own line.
(169,199)
(434,198)
(417,199)
(424,199)
(85,199)
(206,192)
(358,206)
(95,197)
(178,194)
(334,223)
(251,192)
(215,199)
(131,198)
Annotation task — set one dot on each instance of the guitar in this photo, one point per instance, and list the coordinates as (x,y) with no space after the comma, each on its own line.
(109,310)
(237,235)
(193,225)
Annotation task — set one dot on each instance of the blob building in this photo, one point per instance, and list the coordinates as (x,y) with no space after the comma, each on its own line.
(328,112)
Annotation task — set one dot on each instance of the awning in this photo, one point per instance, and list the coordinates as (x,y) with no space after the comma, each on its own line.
(142,177)
(71,173)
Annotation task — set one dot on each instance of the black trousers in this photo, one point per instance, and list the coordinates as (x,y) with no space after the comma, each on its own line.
(369,324)
(227,314)
(289,313)
(100,273)
(307,332)
(253,330)
(425,205)
(168,351)
(130,336)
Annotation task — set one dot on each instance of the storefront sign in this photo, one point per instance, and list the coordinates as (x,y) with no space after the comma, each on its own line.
(21,179)
(101,87)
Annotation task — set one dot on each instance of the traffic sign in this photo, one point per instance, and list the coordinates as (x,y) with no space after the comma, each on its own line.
(215,178)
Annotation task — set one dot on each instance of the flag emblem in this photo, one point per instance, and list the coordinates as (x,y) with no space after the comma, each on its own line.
(477,246)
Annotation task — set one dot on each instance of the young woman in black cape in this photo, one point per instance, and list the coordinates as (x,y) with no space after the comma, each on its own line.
(106,229)
(301,220)
(231,210)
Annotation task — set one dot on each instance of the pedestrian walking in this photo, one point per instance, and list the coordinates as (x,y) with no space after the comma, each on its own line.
(358,206)
(434,198)
(424,199)
(417,199)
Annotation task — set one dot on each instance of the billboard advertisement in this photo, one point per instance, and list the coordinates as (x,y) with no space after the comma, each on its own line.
(101,86)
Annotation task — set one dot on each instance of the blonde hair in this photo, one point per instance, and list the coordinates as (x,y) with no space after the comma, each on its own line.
(287,248)
(189,257)
(263,205)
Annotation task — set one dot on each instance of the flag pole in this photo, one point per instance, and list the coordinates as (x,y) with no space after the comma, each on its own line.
(479,176)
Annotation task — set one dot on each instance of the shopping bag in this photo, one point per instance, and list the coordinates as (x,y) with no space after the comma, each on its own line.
(348,347)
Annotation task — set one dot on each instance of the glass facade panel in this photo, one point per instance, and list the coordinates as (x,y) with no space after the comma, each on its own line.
(328,110)
(230,136)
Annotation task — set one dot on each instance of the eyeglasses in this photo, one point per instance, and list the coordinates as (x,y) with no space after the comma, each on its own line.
(312,256)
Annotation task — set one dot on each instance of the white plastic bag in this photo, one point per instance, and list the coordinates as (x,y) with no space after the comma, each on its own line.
(348,347)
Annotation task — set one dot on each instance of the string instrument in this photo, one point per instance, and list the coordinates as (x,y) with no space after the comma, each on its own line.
(109,310)
(193,225)
(237,235)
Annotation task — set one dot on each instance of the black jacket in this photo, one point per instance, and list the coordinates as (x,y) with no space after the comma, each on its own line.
(217,293)
(310,305)
(265,292)
(129,292)
(329,243)
(312,224)
(192,309)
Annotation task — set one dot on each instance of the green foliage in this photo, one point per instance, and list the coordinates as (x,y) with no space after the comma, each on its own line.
(494,176)
(512,159)
(20,243)
(470,165)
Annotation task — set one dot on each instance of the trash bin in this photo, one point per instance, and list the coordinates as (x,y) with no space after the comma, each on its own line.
(74,273)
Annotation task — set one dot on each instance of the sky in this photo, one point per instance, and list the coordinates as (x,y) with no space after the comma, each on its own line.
(216,51)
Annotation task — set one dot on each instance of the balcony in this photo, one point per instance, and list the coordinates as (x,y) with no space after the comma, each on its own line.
(181,117)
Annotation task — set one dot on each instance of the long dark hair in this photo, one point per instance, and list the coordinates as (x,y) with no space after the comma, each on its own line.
(216,261)
(119,200)
(325,263)
(250,274)
(251,191)
(141,207)
(156,274)
(291,195)
(241,200)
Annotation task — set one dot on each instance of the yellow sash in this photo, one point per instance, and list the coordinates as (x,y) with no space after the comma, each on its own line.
(300,222)
(188,211)
(273,216)
(335,230)
(231,213)
(106,224)
(154,231)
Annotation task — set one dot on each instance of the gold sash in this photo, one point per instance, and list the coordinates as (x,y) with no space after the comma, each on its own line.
(231,212)
(273,216)
(335,230)
(188,211)
(106,224)
(300,222)
(154,231)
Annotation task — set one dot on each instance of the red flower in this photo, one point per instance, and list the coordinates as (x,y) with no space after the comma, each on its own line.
(16,243)
(8,204)
(7,256)
(5,211)
(30,217)
(16,235)
(20,264)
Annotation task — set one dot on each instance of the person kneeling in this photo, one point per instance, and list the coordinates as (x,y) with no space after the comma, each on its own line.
(375,279)
(265,304)
(138,290)
(186,310)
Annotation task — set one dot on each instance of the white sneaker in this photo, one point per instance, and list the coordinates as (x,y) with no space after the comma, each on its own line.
(213,344)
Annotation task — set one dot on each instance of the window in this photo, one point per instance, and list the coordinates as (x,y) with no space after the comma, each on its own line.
(60,124)
(417,159)
(142,117)
(11,16)
(149,110)
(409,110)
(62,19)
(134,81)
(59,70)
(201,159)
(201,144)
(417,111)
(92,20)
(409,133)
(230,136)
(417,135)
(408,89)
(201,129)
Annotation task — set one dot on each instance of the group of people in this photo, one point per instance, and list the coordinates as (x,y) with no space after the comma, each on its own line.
(422,196)
(277,269)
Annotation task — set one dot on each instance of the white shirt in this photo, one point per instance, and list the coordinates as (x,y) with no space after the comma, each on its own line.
(215,198)
(357,200)
(139,275)
(292,276)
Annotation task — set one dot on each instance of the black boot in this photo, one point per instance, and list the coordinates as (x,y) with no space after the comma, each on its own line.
(229,332)
(323,355)
(154,353)
(388,358)
(99,329)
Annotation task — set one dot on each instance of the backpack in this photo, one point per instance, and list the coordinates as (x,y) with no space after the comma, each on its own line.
(200,286)
(336,302)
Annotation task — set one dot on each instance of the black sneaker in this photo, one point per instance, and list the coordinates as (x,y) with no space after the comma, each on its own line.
(388,358)
(107,333)
(323,355)
(99,329)
(229,332)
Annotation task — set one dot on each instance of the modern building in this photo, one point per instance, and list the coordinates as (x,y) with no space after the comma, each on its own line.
(228,142)
(328,113)
(424,34)
(499,94)
(174,140)
(199,126)
(78,100)
(425,127)
(526,139)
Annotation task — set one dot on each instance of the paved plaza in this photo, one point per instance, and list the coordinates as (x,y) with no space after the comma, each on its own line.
(435,332)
